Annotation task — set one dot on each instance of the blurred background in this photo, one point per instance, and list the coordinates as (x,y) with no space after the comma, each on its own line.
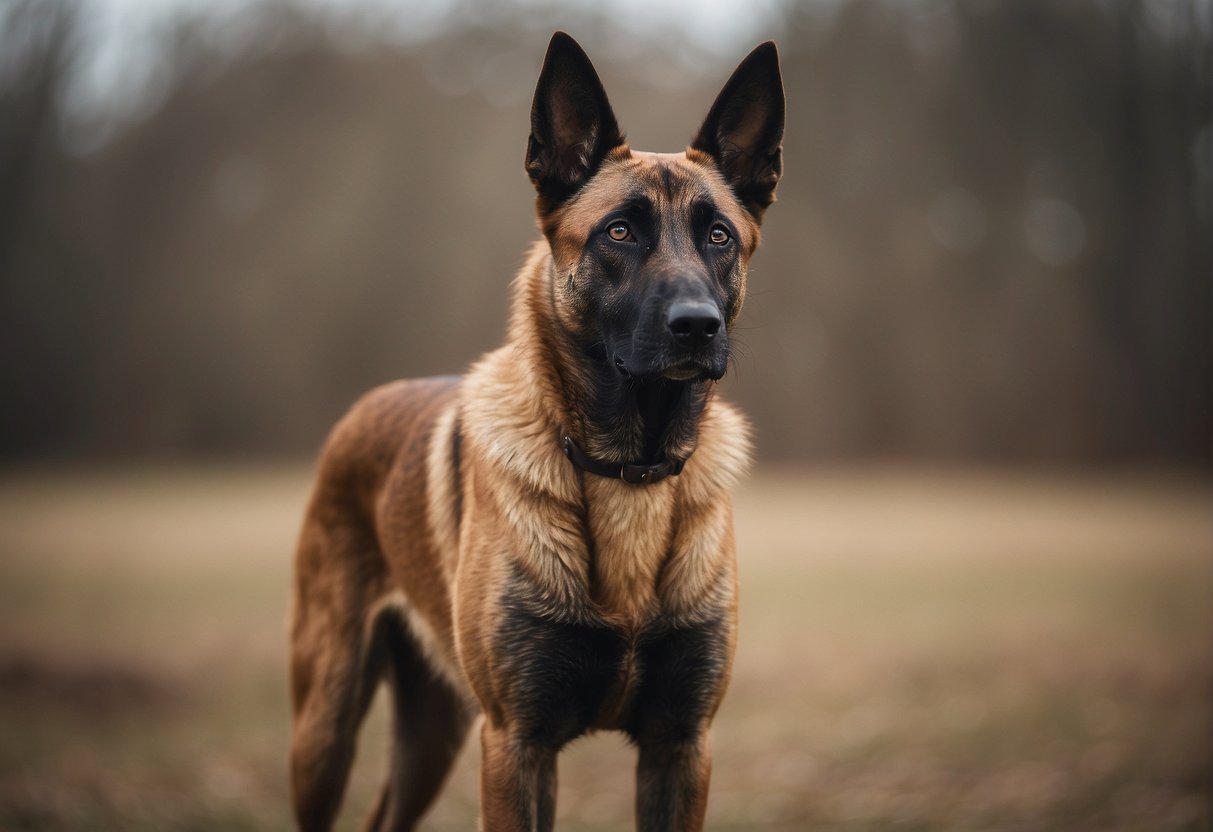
(976,551)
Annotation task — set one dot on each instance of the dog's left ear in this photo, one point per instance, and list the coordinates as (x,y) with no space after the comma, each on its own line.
(743,132)
(572,124)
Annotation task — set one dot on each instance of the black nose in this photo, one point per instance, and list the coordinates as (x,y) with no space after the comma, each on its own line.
(693,323)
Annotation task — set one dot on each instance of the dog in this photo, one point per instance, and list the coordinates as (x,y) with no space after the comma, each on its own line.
(547,542)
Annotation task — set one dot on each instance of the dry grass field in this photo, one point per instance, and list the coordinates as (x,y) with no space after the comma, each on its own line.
(921,650)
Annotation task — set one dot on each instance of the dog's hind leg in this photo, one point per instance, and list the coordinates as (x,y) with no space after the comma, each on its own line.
(429,723)
(336,666)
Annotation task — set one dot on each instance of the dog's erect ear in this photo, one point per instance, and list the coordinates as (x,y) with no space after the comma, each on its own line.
(572,126)
(744,129)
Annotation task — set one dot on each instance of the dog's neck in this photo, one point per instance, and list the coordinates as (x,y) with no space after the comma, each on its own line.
(618,419)
(644,421)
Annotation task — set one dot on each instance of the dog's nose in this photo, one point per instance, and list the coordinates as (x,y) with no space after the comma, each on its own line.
(693,323)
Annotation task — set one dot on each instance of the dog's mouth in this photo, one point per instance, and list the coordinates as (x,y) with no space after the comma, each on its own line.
(687,370)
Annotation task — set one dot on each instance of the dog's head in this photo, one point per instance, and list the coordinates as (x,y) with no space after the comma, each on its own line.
(650,250)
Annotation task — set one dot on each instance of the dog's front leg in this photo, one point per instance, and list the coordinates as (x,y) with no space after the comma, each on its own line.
(517,782)
(672,784)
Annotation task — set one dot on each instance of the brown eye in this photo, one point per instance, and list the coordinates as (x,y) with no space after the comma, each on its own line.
(718,235)
(619,232)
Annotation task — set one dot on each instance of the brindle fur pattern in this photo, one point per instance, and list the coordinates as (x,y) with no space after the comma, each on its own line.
(452,549)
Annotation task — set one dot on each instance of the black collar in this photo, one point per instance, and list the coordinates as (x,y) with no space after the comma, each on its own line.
(632,472)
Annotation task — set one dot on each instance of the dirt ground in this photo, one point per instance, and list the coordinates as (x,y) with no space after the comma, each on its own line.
(921,650)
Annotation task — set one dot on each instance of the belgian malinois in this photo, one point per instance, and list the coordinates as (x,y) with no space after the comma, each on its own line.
(548,541)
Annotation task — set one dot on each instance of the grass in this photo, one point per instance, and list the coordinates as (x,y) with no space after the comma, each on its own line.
(921,650)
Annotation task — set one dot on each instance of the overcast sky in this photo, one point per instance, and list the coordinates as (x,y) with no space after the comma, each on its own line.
(121,62)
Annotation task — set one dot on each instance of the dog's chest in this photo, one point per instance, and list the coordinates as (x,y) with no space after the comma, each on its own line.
(646,627)
(631,530)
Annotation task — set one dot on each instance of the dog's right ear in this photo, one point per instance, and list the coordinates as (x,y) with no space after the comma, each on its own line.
(572,125)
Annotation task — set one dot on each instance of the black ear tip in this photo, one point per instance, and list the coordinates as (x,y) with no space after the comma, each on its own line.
(562,43)
(765,55)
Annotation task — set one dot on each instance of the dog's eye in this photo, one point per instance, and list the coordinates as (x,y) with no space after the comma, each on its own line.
(619,232)
(718,235)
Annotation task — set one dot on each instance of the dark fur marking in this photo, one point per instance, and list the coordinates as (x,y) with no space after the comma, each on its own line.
(667,180)
(456,467)
(681,671)
(637,204)
(560,674)
(664,407)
